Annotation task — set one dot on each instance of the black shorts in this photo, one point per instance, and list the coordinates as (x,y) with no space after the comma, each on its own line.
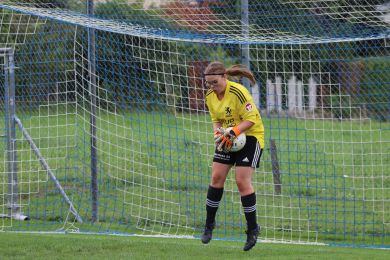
(249,155)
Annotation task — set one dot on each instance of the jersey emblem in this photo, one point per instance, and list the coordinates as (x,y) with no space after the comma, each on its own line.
(228,111)
(248,107)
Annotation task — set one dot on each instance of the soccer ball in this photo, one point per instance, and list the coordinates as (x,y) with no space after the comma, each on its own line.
(239,142)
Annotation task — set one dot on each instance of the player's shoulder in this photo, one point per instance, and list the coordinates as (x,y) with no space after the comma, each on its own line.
(239,91)
(236,85)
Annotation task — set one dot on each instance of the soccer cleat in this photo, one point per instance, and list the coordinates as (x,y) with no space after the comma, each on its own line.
(251,238)
(208,233)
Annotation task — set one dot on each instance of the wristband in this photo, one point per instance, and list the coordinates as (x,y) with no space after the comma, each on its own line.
(236,131)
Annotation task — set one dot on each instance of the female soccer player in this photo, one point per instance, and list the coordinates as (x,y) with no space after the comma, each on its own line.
(231,105)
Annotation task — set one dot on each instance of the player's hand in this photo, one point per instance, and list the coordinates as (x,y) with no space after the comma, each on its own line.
(218,135)
(225,145)
(227,140)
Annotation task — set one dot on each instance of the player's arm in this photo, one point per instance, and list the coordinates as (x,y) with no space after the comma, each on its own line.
(244,125)
(249,115)
(217,125)
(247,111)
(229,136)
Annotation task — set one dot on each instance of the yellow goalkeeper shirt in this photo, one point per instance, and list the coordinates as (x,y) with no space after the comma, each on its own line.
(237,105)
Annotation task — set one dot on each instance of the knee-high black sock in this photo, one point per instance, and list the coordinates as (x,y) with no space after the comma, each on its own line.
(214,196)
(249,205)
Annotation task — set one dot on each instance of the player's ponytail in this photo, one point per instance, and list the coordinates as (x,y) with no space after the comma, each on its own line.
(235,71)
(239,71)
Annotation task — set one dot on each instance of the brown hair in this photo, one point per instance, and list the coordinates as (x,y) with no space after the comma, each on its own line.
(236,71)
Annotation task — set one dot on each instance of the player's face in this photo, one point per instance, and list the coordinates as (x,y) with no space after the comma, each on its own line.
(215,82)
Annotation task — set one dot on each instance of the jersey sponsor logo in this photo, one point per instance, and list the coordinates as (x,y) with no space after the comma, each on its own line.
(229,122)
(248,107)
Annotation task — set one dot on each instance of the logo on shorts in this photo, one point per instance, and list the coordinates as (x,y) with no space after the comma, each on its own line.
(245,159)
(248,107)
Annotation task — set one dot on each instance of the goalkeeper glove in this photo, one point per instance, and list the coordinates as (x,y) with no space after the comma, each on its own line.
(227,140)
(218,135)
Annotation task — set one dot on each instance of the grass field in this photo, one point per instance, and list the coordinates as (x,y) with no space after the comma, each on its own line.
(72,246)
(154,169)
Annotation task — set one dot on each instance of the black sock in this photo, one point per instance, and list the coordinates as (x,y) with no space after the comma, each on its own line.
(214,196)
(249,205)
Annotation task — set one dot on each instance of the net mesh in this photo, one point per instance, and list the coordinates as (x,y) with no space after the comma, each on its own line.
(322,72)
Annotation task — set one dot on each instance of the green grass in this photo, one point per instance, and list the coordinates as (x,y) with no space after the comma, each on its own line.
(154,169)
(73,246)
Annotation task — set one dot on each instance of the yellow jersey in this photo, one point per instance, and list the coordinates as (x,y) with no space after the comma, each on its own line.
(237,105)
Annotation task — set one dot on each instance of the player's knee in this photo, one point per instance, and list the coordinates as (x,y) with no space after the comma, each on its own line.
(217,181)
(244,187)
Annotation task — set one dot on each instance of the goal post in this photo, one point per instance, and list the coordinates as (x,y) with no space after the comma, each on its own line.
(92,87)
(13,202)
(11,122)
(113,135)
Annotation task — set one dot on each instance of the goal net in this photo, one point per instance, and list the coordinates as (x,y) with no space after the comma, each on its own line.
(105,127)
